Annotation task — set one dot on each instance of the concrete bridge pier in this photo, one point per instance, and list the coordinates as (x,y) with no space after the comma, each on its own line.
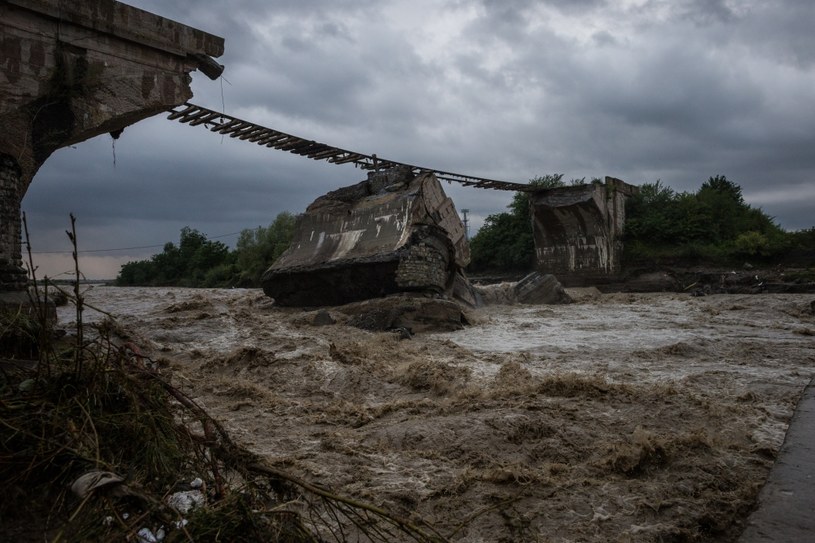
(70,71)
(578,231)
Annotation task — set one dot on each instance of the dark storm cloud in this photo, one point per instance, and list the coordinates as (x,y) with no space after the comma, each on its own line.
(202,179)
(705,12)
(661,87)
(641,90)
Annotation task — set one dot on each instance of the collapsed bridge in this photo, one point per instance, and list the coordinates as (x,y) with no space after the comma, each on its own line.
(221,123)
(577,229)
(68,75)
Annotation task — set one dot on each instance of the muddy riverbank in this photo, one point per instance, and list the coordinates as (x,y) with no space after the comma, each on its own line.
(624,417)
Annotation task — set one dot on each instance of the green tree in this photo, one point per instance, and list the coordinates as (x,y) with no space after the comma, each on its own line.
(503,243)
(712,225)
(184,265)
(258,248)
(134,273)
(751,244)
(721,205)
(720,185)
(653,213)
(801,244)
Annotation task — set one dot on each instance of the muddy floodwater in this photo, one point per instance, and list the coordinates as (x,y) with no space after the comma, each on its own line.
(647,417)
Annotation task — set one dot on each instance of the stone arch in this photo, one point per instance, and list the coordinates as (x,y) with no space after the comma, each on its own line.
(72,71)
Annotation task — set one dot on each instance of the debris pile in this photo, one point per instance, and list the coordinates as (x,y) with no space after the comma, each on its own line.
(535,288)
(96,444)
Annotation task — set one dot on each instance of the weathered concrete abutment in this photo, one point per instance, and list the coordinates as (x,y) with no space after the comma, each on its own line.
(578,230)
(394,232)
(70,71)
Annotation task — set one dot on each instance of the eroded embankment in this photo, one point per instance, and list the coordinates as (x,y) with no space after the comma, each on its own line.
(623,418)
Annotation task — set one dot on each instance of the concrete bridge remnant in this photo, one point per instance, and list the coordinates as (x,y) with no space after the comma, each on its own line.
(395,244)
(395,232)
(578,230)
(70,71)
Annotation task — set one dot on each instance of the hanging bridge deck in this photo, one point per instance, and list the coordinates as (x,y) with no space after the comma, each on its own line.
(233,127)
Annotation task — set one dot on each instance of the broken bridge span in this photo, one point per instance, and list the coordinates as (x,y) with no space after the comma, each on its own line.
(577,229)
(71,71)
(224,124)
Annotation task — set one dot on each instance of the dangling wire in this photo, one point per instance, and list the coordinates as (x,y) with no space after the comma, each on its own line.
(115,136)
(223,102)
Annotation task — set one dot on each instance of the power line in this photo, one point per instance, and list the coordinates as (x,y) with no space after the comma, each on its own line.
(126,248)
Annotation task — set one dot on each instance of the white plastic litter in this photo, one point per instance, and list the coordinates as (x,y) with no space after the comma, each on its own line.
(187,500)
(146,535)
(96,479)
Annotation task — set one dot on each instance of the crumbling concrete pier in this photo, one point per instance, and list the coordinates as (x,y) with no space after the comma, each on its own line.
(70,71)
(578,230)
(394,232)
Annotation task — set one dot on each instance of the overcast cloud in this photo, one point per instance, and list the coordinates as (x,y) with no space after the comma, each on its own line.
(507,89)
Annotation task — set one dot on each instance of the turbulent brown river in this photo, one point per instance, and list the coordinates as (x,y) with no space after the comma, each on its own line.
(621,417)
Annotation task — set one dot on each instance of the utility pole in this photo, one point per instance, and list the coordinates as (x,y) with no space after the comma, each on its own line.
(466,222)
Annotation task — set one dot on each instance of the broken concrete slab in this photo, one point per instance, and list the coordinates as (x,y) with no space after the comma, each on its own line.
(394,232)
(535,288)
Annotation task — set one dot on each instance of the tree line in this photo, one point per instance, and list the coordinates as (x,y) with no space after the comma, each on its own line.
(200,262)
(712,225)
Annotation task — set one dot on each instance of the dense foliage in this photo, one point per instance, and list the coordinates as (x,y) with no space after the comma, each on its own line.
(711,226)
(199,262)
(258,248)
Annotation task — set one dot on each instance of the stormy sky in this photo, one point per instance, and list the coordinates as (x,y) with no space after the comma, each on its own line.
(676,90)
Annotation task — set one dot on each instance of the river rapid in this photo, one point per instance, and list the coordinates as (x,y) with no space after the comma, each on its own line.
(622,417)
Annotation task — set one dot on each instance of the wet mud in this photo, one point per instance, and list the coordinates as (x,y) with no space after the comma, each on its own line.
(624,417)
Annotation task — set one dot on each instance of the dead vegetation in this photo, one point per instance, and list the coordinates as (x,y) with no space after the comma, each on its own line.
(655,441)
(97,444)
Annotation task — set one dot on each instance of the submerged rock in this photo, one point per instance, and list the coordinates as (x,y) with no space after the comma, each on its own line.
(406,315)
(535,288)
